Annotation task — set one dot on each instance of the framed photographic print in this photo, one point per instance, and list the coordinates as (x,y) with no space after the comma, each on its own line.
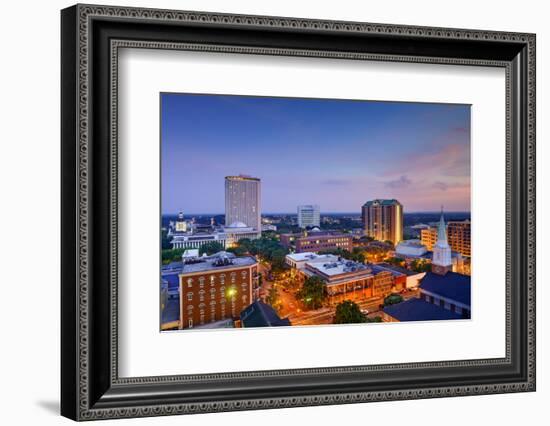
(263,212)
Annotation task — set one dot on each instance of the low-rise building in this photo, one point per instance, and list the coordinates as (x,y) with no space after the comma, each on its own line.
(410,248)
(451,291)
(226,236)
(413,278)
(348,280)
(260,314)
(417,310)
(316,240)
(299,260)
(316,243)
(216,288)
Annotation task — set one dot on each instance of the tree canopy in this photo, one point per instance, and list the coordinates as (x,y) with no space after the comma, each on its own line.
(348,312)
(356,255)
(396,261)
(392,299)
(210,248)
(419,265)
(312,294)
(171,255)
(268,248)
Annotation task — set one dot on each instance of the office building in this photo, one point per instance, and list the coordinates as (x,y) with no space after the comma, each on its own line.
(243,201)
(309,216)
(458,234)
(428,237)
(316,240)
(383,220)
(315,243)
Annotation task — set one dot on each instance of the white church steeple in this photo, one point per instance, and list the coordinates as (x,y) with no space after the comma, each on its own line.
(442,261)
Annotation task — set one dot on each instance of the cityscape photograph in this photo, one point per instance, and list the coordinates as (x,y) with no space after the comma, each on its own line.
(308,212)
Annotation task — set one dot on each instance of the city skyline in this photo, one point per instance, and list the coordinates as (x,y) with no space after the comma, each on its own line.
(417,153)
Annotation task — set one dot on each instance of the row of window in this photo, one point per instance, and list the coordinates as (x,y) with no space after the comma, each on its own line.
(212,279)
(212,303)
(451,306)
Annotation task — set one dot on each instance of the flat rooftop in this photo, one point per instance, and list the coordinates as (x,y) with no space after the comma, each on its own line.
(393,268)
(340,267)
(219,261)
(311,257)
(411,243)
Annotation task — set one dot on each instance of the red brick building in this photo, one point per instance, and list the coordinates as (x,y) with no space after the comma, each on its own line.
(315,243)
(216,288)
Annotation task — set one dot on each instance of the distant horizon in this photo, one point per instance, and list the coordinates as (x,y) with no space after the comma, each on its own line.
(328,152)
(321,213)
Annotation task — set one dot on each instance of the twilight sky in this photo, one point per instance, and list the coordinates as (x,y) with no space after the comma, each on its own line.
(334,153)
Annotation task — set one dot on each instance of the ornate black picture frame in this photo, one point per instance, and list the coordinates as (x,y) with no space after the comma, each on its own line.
(91,36)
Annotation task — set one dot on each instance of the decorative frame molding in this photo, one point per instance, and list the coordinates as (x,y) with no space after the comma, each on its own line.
(91,37)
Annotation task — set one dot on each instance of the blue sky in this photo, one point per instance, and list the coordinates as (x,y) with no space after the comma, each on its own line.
(335,153)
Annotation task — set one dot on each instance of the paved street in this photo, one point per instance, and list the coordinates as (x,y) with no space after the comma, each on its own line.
(291,307)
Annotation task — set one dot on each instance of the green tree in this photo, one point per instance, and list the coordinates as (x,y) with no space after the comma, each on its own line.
(165,240)
(348,312)
(375,319)
(171,255)
(357,255)
(312,294)
(392,299)
(396,261)
(272,296)
(210,248)
(238,250)
(418,265)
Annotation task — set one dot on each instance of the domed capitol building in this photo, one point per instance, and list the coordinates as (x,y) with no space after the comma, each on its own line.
(243,214)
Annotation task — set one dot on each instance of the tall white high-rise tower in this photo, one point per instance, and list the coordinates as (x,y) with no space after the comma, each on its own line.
(309,215)
(243,202)
(442,261)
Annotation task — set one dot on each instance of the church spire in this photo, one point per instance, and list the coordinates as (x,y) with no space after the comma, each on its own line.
(442,229)
(442,258)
